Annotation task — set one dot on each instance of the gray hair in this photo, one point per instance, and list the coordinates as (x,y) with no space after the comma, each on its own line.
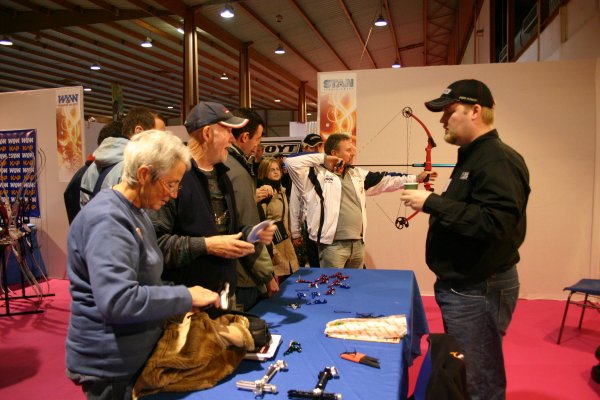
(158,149)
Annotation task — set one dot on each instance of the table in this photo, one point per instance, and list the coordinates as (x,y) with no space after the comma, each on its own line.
(386,292)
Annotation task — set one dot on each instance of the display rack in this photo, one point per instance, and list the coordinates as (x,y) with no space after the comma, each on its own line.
(4,247)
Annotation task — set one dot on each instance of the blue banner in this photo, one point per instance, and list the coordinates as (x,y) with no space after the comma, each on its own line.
(18,171)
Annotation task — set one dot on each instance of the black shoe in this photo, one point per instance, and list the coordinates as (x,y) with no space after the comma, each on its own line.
(596,373)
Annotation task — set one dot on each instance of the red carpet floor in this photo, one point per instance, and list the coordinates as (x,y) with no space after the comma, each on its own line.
(32,351)
(538,368)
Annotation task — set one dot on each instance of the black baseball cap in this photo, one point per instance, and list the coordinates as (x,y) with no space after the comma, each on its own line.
(312,139)
(469,91)
(208,113)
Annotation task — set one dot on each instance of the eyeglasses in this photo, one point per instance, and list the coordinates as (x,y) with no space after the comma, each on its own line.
(171,187)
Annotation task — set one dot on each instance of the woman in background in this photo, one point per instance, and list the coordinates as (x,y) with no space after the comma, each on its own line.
(276,209)
(119,304)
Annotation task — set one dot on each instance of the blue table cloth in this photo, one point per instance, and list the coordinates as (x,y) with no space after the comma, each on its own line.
(375,292)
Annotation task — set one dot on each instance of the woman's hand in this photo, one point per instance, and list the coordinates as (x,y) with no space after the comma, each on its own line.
(264,192)
(202,298)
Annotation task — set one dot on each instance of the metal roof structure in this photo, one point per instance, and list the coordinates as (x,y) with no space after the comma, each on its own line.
(55,43)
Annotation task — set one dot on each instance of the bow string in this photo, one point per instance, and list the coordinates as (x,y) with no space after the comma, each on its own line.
(403,222)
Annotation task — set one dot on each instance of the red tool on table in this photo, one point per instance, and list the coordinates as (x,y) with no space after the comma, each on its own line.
(361,358)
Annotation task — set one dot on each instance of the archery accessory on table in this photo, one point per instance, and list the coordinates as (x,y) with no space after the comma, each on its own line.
(293,347)
(317,301)
(262,385)
(360,358)
(319,391)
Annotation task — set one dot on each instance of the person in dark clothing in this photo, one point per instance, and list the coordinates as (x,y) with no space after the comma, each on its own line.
(475,230)
(199,232)
(255,279)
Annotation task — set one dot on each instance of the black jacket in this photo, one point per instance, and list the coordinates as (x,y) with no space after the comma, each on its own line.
(478,224)
(183,223)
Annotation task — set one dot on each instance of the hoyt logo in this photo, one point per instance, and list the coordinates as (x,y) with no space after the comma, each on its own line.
(68,98)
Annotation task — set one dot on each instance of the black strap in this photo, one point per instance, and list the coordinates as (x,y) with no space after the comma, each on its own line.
(313,179)
(101,176)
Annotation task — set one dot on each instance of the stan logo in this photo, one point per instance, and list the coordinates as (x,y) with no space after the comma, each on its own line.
(464,176)
(338,83)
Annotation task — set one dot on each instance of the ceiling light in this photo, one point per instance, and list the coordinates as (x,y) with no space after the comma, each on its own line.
(147,43)
(277,100)
(95,67)
(227,12)
(170,107)
(87,89)
(224,76)
(309,114)
(396,64)
(6,41)
(280,49)
(180,31)
(380,21)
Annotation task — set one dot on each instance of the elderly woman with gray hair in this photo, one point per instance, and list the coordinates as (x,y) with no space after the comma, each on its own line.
(119,304)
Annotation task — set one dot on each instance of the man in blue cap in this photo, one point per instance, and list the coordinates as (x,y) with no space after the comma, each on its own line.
(199,232)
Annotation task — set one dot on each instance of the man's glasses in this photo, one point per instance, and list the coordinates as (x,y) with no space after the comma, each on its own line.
(172,187)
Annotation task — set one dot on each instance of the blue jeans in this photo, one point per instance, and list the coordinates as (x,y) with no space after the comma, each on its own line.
(478,315)
(342,254)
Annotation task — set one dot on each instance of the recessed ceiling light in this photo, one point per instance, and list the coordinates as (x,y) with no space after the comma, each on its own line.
(180,31)
(396,64)
(87,89)
(95,67)
(6,41)
(380,21)
(224,76)
(280,49)
(170,107)
(147,43)
(227,12)
(277,100)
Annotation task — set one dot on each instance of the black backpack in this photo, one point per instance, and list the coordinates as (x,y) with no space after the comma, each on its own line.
(73,190)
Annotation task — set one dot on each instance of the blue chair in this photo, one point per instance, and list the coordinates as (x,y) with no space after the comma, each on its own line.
(588,288)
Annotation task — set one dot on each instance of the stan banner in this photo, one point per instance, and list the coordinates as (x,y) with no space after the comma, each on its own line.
(337,103)
(69,131)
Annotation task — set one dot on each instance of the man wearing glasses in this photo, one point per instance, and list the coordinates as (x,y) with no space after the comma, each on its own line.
(199,232)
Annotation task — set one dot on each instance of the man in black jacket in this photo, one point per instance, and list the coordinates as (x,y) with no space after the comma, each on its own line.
(256,278)
(475,230)
(199,232)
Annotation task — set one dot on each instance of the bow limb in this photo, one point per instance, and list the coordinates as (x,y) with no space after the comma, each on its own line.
(408,113)
(403,222)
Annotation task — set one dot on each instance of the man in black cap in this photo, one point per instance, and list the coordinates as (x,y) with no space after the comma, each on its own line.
(307,249)
(199,232)
(475,230)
